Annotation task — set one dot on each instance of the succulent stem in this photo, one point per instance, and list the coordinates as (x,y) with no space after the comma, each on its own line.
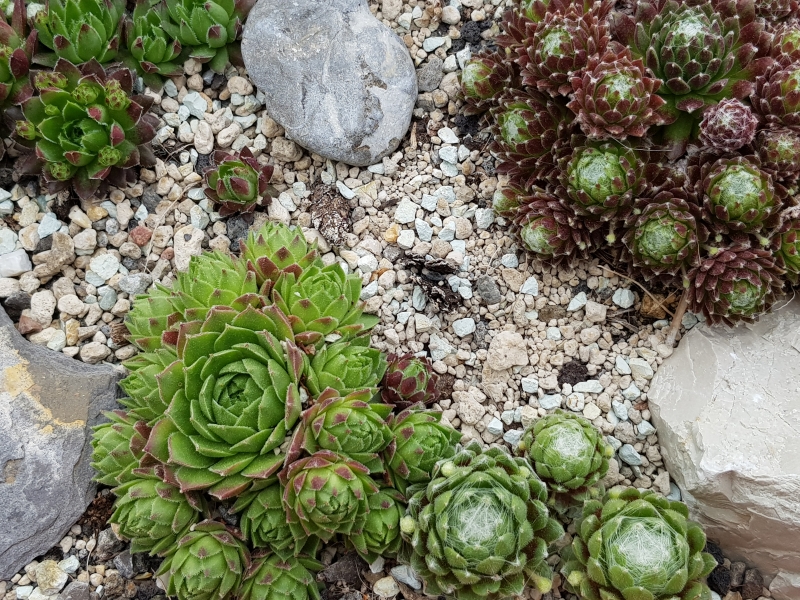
(676,319)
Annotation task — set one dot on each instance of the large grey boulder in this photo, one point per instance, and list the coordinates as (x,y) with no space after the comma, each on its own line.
(727,408)
(340,82)
(48,403)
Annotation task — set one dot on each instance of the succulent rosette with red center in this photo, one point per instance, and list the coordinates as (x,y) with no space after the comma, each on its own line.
(239,183)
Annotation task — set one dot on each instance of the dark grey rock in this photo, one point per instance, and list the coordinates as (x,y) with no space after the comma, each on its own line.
(340,82)
(77,590)
(487,289)
(48,404)
(123,562)
(108,545)
(430,76)
(150,200)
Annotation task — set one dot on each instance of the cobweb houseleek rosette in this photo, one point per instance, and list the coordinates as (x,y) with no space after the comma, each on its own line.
(208,29)
(786,41)
(80,31)
(418,442)
(702,53)
(663,236)
(277,575)
(728,126)
(233,398)
(118,447)
(85,128)
(786,244)
(276,248)
(637,545)
(528,127)
(775,10)
(734,283)
(779,151)
(351,426)
(614,98)
(326,494)
(480,528)
(238,183)
(559,47)
(409,380)
(153,514)
(569,455)
(208,564)
(736,194)
(776,98)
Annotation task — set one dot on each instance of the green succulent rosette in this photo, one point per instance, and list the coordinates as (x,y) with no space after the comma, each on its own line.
(152,514)
(326,494)
(569,455)
(409,380)
(351,426)
(278,575)
(152,52)
(777,93)
(701,52)
(480,528)
(483,79)
(233,399)
(118,447)
(238,183)
(263,522)
(276,248)
(208,564)
(207,28)
(152,315)
(80,31)
(86,128)
(786,244)
(16,53)
(381,534)
(321,301)
(637,545)
(141,384)
(419,441)
(345,366)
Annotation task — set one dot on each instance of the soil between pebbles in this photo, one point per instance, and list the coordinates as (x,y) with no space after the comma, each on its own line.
(517,338)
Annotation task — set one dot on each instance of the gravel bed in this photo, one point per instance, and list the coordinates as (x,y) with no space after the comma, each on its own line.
(516,338)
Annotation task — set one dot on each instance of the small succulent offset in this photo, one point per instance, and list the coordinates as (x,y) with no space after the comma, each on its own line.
(637,545)
(569,455)
(80,30)
(238,183)
(279,575)
(208,29)
(16,52)
(480,528)
(85,128)
(381,534)
(152,53)
(409,380)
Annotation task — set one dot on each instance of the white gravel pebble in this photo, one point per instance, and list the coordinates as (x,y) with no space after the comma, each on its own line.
(464,327)
(406,211)
(577,303)
(623,298)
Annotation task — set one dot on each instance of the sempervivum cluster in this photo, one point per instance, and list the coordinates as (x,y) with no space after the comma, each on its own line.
(256,393)
(660,134)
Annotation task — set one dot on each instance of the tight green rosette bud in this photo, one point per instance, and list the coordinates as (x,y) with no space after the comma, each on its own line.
(409,380)
(786,244)
(569,455)
(263,522)
(507,199)
(150,317)
(480,528)
(141,384)
(278,575)
(734,283)
(86,136)
(483,79)
(381,534)
(118,447)
(276,248)
(154,53)
(550,228)
(736,194)
(320,301)
(80,31)
(701,52)
(238,183)
(154,515)
(345,367)
(326,494)
(233,398)
(208,564)
(663,236)
(420,440)
(639,545)
(207,28)
(351,426)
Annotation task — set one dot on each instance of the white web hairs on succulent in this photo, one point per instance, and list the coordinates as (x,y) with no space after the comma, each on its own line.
(569,447)
(647,548)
